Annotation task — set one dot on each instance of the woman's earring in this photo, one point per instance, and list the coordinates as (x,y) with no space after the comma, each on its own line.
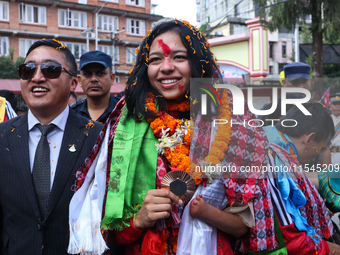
(187,94)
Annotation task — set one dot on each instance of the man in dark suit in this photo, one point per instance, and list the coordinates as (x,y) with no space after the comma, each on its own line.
(35,187)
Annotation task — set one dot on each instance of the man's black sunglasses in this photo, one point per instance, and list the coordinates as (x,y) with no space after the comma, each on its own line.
(50,70)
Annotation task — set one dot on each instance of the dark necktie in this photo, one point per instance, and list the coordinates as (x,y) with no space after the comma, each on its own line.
(41,173)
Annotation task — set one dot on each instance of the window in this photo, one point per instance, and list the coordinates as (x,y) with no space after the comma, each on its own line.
(198,6)
(130,55)
(207,19)
(82,1)
(238,29)
(32,14)
(4,10)
(117,79)
(284,51)
(4,46)
(271,50)
(135,27)
(206,4)
(136,2)
(109,51)
(108,23)
(67,18)
(24,45)
(113,1)
(236,10)
(77,49)
(281,65)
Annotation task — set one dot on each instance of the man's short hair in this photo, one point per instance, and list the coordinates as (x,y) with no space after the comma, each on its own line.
(74,94)
(276,115)
(319,122)
(299,81)
(71,61)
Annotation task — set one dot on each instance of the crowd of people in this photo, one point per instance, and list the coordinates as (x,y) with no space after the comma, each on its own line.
(90,178)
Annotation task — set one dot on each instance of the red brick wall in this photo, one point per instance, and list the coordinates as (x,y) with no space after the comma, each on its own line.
(51,26)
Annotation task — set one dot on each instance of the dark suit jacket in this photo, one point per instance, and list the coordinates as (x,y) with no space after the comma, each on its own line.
(22,230)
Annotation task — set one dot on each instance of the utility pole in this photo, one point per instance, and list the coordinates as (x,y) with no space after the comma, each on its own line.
(87,31)
(296,43)
(97,23)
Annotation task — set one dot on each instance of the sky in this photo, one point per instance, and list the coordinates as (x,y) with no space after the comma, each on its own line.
(180,9)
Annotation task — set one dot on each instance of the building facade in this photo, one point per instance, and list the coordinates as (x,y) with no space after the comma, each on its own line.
(115,27)
(227,17)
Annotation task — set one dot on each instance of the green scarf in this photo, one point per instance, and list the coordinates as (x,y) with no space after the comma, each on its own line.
(132,171)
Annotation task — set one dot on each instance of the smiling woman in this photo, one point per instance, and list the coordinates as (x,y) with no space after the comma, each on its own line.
(169,70)
(152,137)
(156,106)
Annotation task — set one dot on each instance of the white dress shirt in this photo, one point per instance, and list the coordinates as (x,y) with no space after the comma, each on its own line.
(336,119)
(54,139)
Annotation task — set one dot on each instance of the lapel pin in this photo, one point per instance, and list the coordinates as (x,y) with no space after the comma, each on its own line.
(72,148)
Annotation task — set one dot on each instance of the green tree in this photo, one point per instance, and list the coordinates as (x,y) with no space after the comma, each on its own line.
(8,68)
(306,34)
(286,13)
(204,27)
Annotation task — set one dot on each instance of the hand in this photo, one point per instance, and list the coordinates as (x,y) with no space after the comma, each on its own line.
(198,207)
(156,206)
(334,249)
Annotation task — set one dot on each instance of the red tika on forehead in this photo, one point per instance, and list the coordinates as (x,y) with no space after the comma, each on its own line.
(165,48)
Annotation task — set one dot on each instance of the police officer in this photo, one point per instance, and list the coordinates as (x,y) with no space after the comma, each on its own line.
(96,79)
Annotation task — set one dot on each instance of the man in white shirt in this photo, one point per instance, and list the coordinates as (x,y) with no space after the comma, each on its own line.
(38,167)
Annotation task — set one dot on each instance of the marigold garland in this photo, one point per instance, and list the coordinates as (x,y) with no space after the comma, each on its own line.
(220,144)
(222,138)
(181,107)
(173,134)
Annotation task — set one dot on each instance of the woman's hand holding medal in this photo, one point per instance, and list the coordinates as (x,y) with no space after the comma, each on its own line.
(156,206)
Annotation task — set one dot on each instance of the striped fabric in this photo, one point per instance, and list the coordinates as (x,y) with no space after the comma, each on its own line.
(278,203)
(10,111)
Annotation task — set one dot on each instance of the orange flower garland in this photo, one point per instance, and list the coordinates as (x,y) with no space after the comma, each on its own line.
(181,107)
(175,151)
(222,138)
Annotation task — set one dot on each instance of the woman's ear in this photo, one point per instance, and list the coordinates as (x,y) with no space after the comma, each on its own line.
(310,137)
